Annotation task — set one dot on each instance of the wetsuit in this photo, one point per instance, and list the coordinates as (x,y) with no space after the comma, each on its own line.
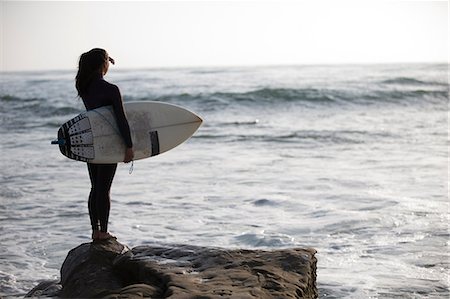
(101,93)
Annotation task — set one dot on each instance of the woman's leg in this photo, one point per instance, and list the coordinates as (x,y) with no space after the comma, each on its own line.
(103,181)
(92,205)
(101,176)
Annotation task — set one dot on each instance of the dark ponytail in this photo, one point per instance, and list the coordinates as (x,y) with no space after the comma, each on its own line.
(91,64)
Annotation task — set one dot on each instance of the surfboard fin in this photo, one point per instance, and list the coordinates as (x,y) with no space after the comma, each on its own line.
(59,141)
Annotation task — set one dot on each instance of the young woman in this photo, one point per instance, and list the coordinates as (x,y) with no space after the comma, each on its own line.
(96,92)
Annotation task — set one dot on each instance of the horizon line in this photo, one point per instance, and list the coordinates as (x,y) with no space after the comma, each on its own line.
(169,67)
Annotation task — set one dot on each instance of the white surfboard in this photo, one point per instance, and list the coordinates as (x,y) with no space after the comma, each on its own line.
(93,136)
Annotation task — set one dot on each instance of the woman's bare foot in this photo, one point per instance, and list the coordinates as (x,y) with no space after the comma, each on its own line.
(104,236)
(95,234)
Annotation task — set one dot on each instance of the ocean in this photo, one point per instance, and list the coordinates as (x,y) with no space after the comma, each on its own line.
(351,160)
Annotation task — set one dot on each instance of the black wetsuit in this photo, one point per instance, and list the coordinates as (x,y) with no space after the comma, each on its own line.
(102,93)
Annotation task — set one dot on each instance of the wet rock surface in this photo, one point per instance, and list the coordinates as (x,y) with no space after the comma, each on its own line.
(109,269)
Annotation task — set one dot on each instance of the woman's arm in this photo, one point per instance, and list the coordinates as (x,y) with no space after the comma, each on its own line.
(122,123)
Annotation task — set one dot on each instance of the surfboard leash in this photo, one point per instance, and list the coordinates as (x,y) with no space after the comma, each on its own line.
(131,167)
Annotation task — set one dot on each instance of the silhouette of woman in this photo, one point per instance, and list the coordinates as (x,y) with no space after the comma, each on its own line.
(96,92)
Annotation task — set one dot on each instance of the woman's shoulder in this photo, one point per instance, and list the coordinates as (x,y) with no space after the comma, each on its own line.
(108,84)
(112,88)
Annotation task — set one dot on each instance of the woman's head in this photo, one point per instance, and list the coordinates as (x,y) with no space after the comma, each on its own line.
(92,63)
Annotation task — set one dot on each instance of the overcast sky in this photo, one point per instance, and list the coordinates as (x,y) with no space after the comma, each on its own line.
(52,35)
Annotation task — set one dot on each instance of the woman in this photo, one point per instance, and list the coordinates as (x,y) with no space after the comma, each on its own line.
(96,92)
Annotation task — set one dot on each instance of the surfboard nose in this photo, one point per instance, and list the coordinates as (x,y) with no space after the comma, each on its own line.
(199,119)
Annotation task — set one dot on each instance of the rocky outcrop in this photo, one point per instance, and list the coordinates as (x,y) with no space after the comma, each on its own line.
(111,270)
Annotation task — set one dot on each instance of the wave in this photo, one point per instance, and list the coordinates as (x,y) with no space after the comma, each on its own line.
(39,106)
(411,81)
(277,94)
(14,99)
(310,97)
(312,137)
(240,123)
(260,96)
(25,113)
(265,239)
(21,109)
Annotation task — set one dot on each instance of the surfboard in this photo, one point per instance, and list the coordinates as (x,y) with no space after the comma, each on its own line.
(156,127)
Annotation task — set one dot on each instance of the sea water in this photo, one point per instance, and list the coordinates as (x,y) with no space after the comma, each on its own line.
(350,160)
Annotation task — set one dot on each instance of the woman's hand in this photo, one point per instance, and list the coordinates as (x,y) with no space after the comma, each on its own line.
(129,155)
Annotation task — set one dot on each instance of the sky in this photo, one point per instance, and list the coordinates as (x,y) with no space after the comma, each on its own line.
(52,35)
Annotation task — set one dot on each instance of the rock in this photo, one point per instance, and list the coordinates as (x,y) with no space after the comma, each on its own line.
(111,270)
(47,288)
(89,269)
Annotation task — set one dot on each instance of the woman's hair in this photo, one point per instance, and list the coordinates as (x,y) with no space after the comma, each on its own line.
(91,64)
